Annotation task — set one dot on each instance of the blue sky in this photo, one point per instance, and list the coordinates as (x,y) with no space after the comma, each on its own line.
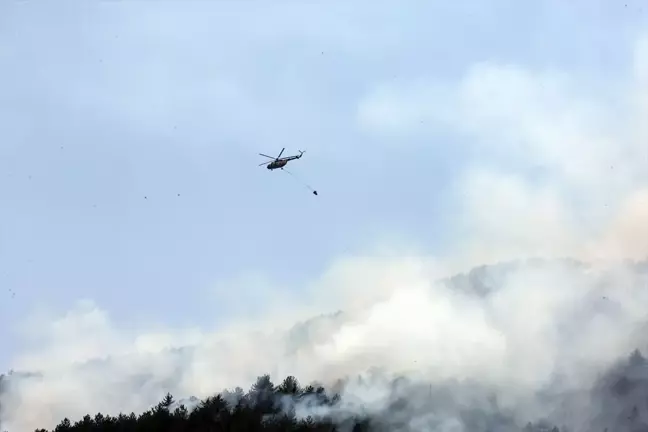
(106,103)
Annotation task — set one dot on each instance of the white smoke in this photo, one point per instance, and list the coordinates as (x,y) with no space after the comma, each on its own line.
(540,323)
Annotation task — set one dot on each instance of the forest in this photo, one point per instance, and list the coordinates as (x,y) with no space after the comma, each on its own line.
(619,402)
(613,399)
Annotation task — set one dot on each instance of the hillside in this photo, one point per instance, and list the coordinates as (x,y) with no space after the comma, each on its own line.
(588,375)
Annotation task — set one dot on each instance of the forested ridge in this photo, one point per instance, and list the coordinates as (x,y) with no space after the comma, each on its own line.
(613,399)
(619,402)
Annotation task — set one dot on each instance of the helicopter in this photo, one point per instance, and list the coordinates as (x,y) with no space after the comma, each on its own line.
(280,162)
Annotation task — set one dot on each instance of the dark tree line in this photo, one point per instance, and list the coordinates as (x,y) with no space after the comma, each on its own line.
(265,407)
(619,403)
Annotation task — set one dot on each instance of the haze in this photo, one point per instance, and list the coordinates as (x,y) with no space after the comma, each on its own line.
(439,136)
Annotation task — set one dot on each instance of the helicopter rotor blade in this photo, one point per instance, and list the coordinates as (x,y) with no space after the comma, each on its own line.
(265,163)
(280,153)
(261,154)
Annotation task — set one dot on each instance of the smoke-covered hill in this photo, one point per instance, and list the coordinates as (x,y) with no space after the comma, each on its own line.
(618,398)
(492,349)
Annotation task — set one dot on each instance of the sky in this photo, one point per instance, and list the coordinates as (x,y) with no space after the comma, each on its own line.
(455,132)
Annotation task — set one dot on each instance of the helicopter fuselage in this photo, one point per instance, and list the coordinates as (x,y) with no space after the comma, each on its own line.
(277,164)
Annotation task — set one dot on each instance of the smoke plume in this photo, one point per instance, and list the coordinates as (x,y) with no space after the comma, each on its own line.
(533,338)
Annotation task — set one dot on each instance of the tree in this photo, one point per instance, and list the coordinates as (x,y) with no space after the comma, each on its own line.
(289,386)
